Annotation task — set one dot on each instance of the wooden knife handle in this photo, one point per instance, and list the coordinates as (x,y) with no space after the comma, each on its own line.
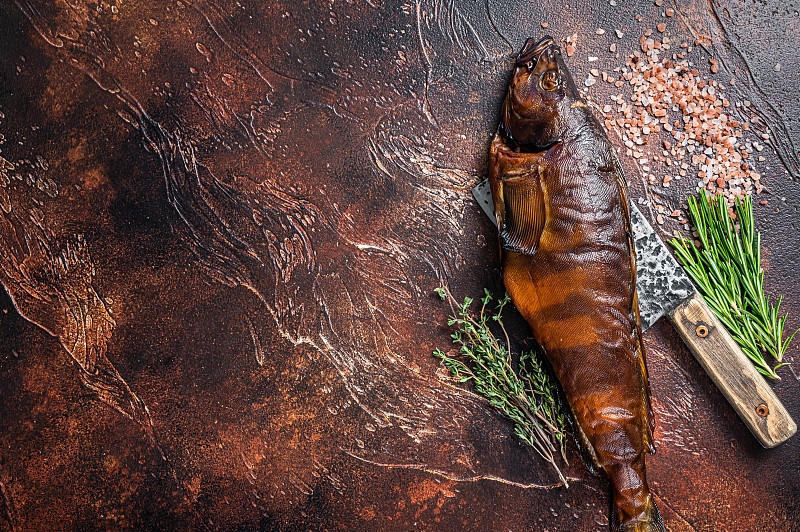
(732,372)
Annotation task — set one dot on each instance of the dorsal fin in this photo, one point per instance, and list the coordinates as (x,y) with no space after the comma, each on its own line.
(649,421)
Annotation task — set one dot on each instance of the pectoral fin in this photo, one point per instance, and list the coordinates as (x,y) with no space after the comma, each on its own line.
(519,197)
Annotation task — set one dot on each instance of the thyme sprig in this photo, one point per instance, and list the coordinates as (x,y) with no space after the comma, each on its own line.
(526,396)
(727,270)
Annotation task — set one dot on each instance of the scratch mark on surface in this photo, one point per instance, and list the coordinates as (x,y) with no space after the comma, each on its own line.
(455,478)
(8,507)
(791,368)
(426,108)
(36,20)
(496,29)
(455,24)
(257,348)
(662,502)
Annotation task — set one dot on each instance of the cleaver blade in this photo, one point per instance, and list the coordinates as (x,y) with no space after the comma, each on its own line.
(664,288)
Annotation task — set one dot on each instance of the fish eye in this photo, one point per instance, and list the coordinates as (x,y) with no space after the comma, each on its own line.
(550,80)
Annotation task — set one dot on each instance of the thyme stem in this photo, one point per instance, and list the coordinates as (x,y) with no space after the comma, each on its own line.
(527,396)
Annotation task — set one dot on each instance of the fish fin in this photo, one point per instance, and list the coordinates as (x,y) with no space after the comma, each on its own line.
(651,520)
(519,197)
(649,421)
(587,447)
(587,452)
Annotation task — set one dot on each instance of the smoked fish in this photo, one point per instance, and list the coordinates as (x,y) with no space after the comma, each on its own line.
(569,265)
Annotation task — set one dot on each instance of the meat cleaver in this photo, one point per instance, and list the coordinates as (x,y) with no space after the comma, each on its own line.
(664,289)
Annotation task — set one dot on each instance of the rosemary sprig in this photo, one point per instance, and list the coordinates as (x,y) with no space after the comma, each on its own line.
(526,396)
(727,270)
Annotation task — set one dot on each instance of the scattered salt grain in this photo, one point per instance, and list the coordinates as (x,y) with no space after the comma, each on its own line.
(669,94)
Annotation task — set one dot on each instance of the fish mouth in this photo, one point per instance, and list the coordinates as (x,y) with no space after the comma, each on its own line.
(534,49)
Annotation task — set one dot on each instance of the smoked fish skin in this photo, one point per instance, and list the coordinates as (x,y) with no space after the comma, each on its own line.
(569,265)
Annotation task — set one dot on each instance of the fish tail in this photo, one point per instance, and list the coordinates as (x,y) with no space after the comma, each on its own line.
(648,521)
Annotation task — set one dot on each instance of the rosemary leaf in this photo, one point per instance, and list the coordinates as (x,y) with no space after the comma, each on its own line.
(726,268)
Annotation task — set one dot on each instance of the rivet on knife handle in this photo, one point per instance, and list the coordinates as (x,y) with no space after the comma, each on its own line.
(732,372)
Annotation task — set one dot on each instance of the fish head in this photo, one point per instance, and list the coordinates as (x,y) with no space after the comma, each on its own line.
(539,96)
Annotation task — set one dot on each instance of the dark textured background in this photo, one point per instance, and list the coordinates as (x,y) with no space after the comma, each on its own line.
(221,224)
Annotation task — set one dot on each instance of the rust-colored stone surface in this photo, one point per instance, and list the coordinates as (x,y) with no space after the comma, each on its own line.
(221,224)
